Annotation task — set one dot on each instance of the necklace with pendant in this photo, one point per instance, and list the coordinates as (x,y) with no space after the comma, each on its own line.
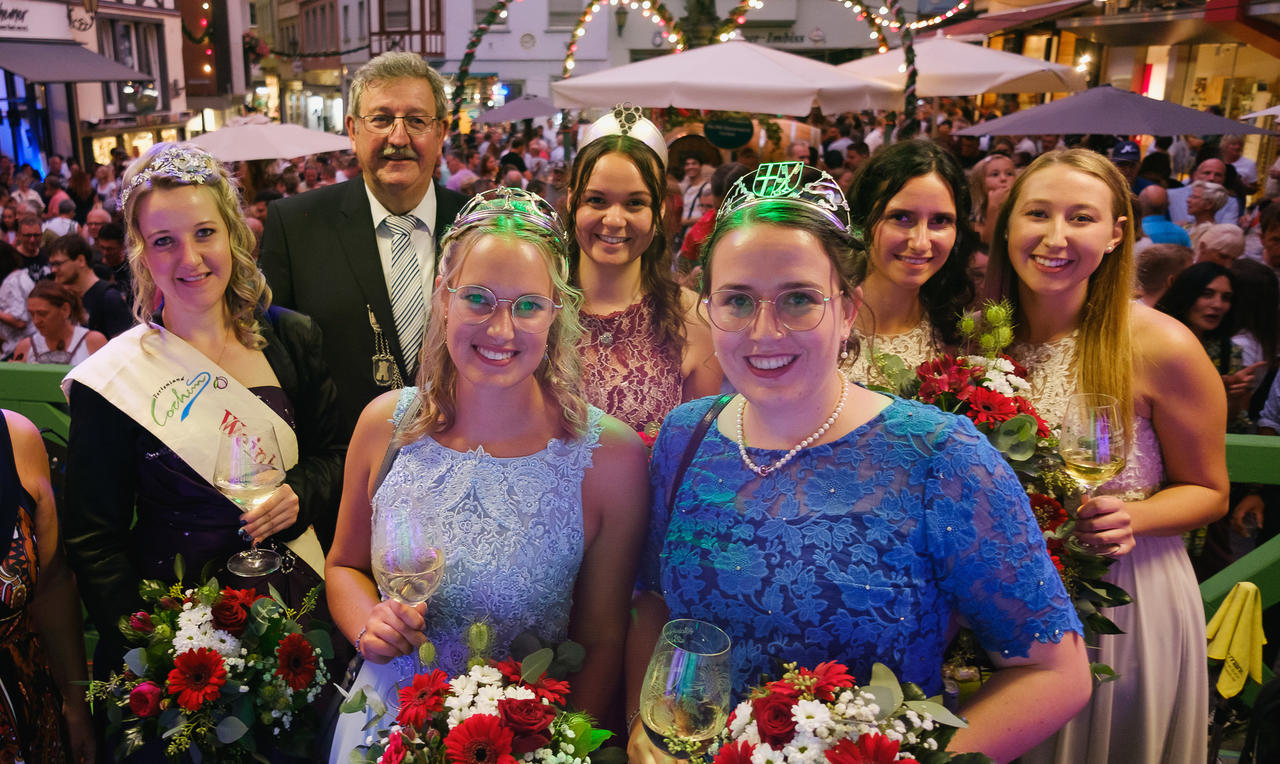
(765,470)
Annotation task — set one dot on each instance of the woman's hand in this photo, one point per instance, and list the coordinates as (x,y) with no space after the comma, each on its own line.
(278,512)
(641,750)
(393,629)
(1247,516)
(1105,526)
(80,733)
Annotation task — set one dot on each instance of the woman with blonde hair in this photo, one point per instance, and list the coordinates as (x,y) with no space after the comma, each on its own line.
(989,183)
(1063,254)
(540,515)
(148,409)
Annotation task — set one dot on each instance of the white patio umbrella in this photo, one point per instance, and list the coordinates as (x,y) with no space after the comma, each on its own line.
(1274,111)
(947,67)
(730,76)
(524,107)
(256,137)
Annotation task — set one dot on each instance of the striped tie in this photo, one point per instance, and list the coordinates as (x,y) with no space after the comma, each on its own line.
(407,305)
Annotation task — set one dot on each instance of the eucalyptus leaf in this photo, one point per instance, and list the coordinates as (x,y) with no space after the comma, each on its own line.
(883,676)
(275,593)
(533,667)
(230,729)
(355,702)
(179,566)
(939,712)
(356,756)
(175,729)
(319,639)
(884,698)
(136,660)
(524,644)
(570,656)
(376,703)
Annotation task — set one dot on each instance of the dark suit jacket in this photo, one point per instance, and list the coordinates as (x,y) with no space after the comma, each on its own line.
(320,255)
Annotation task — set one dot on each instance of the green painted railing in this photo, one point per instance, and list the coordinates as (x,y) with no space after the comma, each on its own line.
(32,390)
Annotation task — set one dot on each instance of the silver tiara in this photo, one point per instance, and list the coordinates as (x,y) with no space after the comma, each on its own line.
(182,163)
(785,182)
(627,119)
(514,202)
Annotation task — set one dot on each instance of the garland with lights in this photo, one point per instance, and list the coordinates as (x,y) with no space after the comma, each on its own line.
(498,10)
(908,54)
(655,12)
(737,17)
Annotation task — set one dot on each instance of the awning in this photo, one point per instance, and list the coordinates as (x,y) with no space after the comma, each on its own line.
(991,23)
(62,61)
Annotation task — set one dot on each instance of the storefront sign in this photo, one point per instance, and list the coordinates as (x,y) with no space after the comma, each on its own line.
(33,20)
(730,132)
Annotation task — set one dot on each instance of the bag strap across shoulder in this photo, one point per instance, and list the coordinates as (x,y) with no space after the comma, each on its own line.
(393,447)
(695,440)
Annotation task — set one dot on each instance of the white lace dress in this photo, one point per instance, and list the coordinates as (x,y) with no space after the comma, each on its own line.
(914,347)
(512,530)
(1157,710)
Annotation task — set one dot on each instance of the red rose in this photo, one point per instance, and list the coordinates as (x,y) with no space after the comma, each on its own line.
(422,698)
(197,676)
(144,700)
(528,721)
(481,739)
(231,611)
(141,621)
(735,753)
(773,718)
(396,751)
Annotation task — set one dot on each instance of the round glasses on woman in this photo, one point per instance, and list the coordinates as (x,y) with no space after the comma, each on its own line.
(529,313)
(799,310)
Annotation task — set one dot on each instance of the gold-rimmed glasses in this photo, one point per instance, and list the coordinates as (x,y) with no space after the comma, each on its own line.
(530,312)
(799,310)
(414,124)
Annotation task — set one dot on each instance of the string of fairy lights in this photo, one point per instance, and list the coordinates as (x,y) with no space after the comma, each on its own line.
(656,13)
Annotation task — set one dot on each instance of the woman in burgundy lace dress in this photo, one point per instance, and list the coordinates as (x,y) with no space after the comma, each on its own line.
(645,349)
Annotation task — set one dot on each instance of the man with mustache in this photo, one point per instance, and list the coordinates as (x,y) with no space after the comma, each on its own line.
(359,257)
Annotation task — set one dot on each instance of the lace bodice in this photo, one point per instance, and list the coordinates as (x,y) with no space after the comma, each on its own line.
(914,347)
(624,369)
(862,549)
(1051,371)
(511,529)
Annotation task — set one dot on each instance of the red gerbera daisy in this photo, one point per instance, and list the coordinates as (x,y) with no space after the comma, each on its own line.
(297,661)
(197,676)
(1049,513)
(828,677)
(423,698)
(481,739)
(872,748)
(989,407)
(510,669)
(735,753)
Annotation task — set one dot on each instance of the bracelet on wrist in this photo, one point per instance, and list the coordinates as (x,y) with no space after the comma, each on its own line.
(359,637)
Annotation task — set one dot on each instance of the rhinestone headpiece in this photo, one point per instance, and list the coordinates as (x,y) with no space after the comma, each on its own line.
(786,182)
(503,201)
(181,162)
(627,119)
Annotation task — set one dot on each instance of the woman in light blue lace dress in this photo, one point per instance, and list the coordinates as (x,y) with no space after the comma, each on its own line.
(539,500)
(821,521)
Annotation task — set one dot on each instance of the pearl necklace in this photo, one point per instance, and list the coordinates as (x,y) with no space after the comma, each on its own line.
(762,471)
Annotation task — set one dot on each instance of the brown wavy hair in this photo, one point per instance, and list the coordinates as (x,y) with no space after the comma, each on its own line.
(655,261)
(59,295)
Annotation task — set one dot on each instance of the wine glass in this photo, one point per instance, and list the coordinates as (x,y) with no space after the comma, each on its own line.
(249,469)
(1092,441)
(684,700)
(407,559)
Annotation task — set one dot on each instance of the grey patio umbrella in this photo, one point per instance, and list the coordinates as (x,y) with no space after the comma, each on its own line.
(1110,111)
(524,107)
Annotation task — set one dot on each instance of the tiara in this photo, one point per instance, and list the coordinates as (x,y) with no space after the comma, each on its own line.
(182,163)
(785,182)
(627,119)
(503,201)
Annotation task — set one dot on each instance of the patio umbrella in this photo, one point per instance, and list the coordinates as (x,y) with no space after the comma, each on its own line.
(256,137)
(1274,111)
(948,67)
(524,107)
(1110,111)
(730,76)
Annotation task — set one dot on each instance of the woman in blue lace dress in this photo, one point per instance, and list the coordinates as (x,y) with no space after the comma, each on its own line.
(818,520)
(538,499)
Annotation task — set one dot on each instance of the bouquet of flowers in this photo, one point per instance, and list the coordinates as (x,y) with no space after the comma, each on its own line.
(217,672)
(821,716)
(497,712)
(988,388)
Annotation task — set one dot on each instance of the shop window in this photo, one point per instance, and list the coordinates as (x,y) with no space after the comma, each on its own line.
(361,20)
(135,44)
(395,14)
(563,14)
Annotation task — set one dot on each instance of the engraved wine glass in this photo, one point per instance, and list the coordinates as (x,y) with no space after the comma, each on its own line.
(248,470)
(1092,440)
(684,700)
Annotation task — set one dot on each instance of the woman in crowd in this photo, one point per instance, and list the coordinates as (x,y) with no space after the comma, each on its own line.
(563,483)
(645,349)
(1257,308)
(989,183)
(60,337)
(44,716)
(9,222)
(80,189)
(912,201)
(1063,254)
(147,410)
(819,520)
(106,187)
(1203,203)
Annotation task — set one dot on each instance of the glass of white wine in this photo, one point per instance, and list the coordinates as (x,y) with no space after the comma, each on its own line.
(407,559)
(1092,440)
(249,469)
(684,700)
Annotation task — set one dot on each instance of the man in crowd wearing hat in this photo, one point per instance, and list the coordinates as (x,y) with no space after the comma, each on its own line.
(1126,155)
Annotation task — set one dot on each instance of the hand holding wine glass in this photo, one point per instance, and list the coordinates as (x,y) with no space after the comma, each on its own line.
(684,700)
(1092,444)
(248,471)
(407,560)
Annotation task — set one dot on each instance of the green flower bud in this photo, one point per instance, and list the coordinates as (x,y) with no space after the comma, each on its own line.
(1004,335)
(997,314)
(427,653)
(480,638)
(968,325)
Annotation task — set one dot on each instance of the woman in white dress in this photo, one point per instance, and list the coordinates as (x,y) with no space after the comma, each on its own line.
(1063,253)
(911,201)
(539,500)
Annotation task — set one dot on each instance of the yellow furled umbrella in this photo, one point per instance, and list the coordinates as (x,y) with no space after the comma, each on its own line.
(1236,638)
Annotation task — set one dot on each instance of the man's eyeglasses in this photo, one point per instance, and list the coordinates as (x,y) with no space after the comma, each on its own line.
(799,310)
(414,124)
(530,313)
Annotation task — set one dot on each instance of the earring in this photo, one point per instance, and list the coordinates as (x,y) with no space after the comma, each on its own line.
(844,350)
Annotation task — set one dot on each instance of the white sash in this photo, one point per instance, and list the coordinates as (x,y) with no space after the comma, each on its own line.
(182,398)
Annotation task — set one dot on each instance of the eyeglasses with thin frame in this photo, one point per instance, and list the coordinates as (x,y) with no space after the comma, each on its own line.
(414,124)
(530,313)
(799,310)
